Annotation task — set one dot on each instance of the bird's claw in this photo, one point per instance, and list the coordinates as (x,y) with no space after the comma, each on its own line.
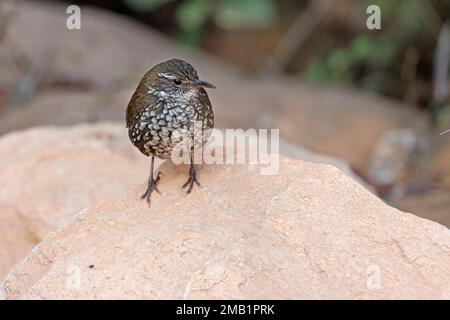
(192,179)
(152,185)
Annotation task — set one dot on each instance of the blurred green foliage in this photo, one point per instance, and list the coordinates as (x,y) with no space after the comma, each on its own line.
(192,15)
(376,52)
(342,64)
(238,14)
(374,60)
(145,5)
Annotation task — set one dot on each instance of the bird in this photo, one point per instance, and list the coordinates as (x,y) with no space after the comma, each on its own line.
(168,103)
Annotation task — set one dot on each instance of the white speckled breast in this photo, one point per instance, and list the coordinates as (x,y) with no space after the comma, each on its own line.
(155,126)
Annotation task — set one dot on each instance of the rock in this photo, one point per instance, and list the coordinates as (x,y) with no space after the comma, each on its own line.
(49,174)
(429,195)
(295,152)
(343,123)
(66,108)
(431,204)
(308,232)
(391,156)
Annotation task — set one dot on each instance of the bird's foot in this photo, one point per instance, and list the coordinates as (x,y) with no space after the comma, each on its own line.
(192,179)
(152,185)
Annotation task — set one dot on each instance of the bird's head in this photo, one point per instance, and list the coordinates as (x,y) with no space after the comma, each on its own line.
(174,77)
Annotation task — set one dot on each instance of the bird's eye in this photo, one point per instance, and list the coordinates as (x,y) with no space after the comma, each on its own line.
(177,82)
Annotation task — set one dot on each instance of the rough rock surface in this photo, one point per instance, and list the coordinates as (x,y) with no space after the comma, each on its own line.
(50,174)
(308,232)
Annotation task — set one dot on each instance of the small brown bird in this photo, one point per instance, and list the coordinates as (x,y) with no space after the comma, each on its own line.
(168,103)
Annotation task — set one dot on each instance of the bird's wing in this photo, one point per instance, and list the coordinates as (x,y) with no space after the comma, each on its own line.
(140,100)
(207,108)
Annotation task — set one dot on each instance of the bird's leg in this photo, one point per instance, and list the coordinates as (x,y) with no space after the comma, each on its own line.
(152,183)
(192,177)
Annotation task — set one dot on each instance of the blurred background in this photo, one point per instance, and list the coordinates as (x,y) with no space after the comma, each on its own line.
(323,42)
(376,99)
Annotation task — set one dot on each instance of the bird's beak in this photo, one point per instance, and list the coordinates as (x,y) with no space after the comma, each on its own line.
(204,84)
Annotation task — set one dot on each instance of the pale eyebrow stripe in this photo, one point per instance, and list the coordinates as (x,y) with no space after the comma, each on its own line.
(169,76)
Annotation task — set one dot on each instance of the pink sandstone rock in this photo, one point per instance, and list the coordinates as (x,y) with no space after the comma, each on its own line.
(50,174)
(308,232)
